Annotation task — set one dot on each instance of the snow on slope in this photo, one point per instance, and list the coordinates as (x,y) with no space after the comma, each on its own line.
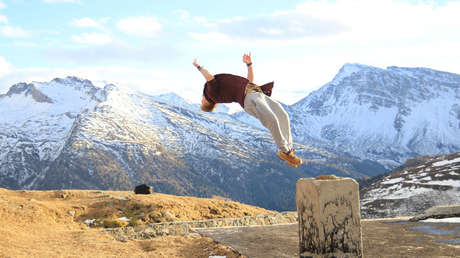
(36,120)
(431,181)
(366,111)
(48,123)
(72,134)
(387,115)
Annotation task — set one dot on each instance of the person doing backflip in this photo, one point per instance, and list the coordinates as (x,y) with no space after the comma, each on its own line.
(255,100)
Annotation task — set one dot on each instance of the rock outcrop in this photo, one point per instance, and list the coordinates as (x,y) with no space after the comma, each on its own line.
(439,212)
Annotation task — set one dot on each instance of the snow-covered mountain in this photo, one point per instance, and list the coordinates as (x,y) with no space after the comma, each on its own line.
(35,123)
(419,184)
(68,133)
(386,115)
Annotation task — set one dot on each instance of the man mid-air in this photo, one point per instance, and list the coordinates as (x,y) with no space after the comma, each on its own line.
(255,100)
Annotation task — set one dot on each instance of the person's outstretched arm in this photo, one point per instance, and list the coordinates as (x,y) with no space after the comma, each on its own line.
(204,72)
(248,62)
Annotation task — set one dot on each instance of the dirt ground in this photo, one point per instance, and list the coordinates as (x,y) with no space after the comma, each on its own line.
(50,223)
(381,238)
(399,238)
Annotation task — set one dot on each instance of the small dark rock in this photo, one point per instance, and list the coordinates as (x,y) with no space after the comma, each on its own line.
(143,189)
(214,211)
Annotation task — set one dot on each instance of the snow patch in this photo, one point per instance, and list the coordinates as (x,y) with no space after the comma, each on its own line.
(407,192)
(393,181)
(90,222)
(449,182)
(428,178)
(445,220)
(124,219)
(446,162)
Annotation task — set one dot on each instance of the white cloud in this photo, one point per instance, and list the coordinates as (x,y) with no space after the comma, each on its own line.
(2,5)
(379,20)
(280,25)
(3,19)
(355,20)
(186,17)
(13,32)
(140,26)
(86,22)
(92,38)
(114,52)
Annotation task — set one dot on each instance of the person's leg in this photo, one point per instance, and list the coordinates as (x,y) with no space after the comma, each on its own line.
(283,119)
(256,105)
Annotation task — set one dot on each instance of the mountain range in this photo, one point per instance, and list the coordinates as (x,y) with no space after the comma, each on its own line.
(69,133)
(386,115)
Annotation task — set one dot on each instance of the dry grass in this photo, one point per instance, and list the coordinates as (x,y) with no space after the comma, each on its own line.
(50,223)
(145,209)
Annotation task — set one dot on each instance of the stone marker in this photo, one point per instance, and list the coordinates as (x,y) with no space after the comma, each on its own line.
(329,218)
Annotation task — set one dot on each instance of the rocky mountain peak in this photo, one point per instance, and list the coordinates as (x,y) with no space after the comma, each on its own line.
(19,88)
(408,110)
(73,80)
(357,83)
(349,69)
(28,90)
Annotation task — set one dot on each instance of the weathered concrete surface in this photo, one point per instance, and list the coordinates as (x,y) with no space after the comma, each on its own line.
(329,218)
(381,238)
(258,242)
(439,212)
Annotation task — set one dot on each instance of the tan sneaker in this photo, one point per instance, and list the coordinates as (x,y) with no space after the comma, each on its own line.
(290,158)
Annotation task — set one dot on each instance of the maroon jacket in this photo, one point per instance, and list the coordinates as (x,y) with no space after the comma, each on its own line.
(227,88)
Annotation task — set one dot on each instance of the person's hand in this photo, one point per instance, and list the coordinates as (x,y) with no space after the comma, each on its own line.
(195,63)
(247,58)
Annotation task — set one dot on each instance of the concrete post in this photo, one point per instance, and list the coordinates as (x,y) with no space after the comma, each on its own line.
(329,218)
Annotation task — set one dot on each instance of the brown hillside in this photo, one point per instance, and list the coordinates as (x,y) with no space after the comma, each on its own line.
(51,223)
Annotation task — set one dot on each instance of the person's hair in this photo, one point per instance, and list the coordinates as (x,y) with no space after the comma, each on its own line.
(209,107)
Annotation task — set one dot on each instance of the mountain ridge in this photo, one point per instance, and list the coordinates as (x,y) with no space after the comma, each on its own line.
(383,108)
(112,138)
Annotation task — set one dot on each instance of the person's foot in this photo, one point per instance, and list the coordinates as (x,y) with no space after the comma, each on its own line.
(290,158)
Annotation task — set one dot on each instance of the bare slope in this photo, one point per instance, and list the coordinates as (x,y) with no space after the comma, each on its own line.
(49,223)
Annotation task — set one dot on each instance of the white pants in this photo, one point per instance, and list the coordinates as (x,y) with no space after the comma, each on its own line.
(272,115)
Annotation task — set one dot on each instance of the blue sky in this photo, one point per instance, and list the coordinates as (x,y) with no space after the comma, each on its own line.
(150,45)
